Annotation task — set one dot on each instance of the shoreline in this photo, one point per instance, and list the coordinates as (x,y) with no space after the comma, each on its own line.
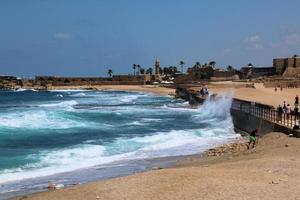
(148,165)
(126,167)
(270,169)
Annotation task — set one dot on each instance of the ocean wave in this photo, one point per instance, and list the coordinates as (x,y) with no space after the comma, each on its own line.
(160,144)
(38,120)
(63,104)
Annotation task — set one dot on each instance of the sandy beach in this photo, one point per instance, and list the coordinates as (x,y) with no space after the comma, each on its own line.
(258,94)
(269,171)
(155,89)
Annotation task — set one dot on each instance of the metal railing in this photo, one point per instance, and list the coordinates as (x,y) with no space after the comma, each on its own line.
(265,112)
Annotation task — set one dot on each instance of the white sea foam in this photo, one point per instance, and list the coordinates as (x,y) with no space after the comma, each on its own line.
(160,144)
(38,120)
(63,104)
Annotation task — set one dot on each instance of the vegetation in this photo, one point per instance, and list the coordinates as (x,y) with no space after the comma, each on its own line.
(212,63)
(149,71)
(110,73)
(229,68)
(142,70)
(182,63)
(170,70)
(134,68)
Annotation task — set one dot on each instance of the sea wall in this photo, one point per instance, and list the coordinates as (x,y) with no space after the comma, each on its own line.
(248,116)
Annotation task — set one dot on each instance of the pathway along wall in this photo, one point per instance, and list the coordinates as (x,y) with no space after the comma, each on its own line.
(248,116)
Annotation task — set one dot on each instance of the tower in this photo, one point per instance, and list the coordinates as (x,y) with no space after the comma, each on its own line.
(157,67)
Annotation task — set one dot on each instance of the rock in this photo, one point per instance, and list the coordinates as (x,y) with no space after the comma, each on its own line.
(51,186)
(286,145)
(59,186)
(273,182)
(156,168)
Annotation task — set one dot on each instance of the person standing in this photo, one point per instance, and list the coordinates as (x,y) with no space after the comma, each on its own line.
(296,100)
(253,138)
(288,111)
(279,113)
(296,111)
(284,107)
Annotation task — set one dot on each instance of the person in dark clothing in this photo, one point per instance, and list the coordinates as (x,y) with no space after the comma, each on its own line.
(296,111)
(253,138)
(296,100)
(279,113)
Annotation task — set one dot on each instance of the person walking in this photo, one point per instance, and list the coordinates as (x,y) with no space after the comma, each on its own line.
(279,113)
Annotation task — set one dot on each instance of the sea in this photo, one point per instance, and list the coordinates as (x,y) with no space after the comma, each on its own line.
(70,137)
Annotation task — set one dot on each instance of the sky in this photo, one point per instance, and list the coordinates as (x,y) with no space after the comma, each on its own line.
(87,37)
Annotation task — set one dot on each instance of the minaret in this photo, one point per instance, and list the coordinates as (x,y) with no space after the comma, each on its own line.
(157,67)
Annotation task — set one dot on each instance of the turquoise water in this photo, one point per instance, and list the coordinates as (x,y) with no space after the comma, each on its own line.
(49,132)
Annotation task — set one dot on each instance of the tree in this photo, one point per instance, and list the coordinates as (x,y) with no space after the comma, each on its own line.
(229,68)
(212,63)
(110,72)
(166,70)
(134,67)
(198,65)
(181,63)
(138,68)
(149,71)
(295,56)
(142,70)
(250,65)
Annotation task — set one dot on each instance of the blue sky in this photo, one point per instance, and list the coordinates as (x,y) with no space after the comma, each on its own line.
(72,37)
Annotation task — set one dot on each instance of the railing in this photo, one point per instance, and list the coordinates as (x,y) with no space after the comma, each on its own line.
(265,112)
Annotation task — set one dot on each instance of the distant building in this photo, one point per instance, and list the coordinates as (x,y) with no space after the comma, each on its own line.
(287,67)
(157,67)
(255,72)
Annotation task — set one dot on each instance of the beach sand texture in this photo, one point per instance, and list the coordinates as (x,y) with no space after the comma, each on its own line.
(269,171)
(258,94)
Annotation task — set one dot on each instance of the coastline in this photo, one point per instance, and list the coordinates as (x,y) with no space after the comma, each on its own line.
(154,89)
(269,171)
(185,166)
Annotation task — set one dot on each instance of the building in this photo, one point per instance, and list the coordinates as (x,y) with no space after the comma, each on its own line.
(255,72)
(287,67)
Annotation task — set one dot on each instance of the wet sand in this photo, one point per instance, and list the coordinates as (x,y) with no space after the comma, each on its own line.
(269,171)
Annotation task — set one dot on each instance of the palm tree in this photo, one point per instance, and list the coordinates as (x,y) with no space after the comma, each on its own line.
(149,71)
(229,68)
(181,63)
(212,63)
(142,71)
(166,70)
(134,67)
(138,68)
(109,72)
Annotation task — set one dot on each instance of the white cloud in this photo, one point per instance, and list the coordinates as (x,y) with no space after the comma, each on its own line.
(253,39)
(62,36)
(289,38)
(253,42)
